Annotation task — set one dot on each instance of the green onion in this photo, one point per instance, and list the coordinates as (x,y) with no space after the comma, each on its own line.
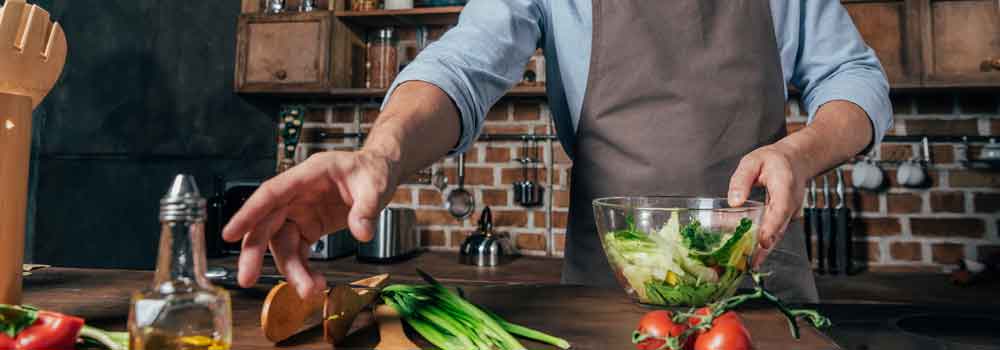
(452,323)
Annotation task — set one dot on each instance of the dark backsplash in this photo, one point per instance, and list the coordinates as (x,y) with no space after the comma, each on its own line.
(146,93)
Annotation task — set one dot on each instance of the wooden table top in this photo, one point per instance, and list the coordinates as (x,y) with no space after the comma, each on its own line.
(590,318)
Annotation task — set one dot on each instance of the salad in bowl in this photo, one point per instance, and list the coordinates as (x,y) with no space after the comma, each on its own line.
(677,251)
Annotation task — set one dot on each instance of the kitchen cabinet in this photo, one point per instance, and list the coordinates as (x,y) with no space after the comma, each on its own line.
(961,42)
(295,53)
(889,27)
(932,43)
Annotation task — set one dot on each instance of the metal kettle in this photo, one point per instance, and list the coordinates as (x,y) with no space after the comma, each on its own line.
(484,247)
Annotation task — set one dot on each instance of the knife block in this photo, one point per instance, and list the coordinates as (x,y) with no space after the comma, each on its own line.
(15,151)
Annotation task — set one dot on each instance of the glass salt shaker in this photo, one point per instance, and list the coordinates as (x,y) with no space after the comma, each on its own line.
(181,310)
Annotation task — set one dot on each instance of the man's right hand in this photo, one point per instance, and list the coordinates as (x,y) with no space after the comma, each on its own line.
(290,212)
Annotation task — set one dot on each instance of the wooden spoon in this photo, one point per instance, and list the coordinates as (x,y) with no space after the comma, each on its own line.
(343,303)
(32,54)
(390,330)
(285,313)
(32,51)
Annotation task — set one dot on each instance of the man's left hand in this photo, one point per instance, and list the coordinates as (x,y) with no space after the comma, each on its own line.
(772,167)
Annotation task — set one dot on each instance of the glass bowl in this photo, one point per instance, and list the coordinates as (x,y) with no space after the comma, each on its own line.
(677,251)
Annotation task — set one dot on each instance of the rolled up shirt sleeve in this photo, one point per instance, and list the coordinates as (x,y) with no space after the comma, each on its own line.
(476,62)
(834,63)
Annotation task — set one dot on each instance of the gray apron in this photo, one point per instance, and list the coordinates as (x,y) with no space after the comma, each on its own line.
(678,92)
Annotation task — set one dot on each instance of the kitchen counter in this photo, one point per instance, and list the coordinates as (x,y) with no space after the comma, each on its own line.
(590,318)
(863,288)
(443,266)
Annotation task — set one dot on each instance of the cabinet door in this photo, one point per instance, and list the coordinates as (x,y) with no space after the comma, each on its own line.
(284,53)
(888,28)
(962,42)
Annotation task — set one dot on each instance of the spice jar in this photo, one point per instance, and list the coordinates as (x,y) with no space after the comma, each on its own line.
(274,6)
(383,58)
(364,5)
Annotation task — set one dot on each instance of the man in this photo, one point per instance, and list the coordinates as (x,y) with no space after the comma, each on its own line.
(650,97)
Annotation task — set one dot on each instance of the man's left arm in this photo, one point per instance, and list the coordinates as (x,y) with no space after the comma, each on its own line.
(846,93)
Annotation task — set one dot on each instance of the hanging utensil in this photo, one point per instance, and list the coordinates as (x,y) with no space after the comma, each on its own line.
(809,219)
(528,192)
(826,227)
(519,186)
(534,191)
(460,202)
(843,235)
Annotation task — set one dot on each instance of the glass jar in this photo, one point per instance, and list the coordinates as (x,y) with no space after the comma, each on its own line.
(383,58)
(307,6)
(364,5)
(274,6)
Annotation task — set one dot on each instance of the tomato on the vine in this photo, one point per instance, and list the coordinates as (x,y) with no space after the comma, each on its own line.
(656,326)
(727,332)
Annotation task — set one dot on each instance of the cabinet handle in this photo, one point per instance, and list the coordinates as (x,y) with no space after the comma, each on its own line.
(992,63)
(281,75)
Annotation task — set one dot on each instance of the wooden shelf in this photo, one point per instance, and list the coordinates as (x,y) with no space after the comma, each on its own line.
(409,17)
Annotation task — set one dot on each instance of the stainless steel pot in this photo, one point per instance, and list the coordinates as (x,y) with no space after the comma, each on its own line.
(394,238)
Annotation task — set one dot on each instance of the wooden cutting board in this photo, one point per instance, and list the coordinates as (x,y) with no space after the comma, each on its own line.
(593,318)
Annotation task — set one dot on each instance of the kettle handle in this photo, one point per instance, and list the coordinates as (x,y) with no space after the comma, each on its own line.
(486,221)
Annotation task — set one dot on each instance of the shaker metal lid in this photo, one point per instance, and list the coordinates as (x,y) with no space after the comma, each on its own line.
(183,201)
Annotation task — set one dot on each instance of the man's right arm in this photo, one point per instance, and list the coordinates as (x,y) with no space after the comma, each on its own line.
(437,104)
(473,64)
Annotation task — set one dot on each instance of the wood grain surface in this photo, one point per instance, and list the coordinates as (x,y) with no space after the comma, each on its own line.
(589,318)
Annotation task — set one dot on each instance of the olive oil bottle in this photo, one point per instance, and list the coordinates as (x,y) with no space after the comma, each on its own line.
(182,310)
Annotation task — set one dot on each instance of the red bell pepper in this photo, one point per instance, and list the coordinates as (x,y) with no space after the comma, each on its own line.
(51,331)
(6,342)
(27,328)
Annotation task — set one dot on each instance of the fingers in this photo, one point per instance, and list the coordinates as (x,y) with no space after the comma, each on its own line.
(760,257)
(364,212)
(254,247)
(778,210)
(743,179)
(291,260)
(273,194)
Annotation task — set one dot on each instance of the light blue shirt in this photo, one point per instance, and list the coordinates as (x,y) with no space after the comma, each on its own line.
(485,55)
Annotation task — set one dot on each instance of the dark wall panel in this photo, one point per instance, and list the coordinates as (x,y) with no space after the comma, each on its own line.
(146,93)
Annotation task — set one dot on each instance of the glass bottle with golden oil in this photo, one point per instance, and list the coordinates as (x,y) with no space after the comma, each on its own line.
(182,310)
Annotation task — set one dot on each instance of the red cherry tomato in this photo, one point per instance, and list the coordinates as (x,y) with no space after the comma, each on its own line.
(658,324)
(705,311)
(726,333)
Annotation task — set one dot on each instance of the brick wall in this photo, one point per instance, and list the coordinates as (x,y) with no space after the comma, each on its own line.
(898,229)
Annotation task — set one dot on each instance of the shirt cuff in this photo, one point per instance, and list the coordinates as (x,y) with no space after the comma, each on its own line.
(453,88)
(871,96)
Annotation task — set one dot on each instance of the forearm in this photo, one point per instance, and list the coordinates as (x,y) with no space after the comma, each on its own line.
(418,126)
(839,131)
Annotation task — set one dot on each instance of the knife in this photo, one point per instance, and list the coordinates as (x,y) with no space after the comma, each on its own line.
(809,219)
(826,226)
(843,229)
(226,277)
(832,238)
